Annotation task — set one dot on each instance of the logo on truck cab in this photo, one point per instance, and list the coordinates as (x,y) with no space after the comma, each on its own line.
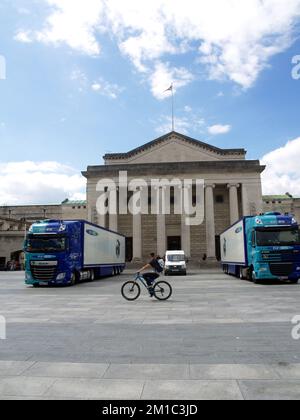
(239,230)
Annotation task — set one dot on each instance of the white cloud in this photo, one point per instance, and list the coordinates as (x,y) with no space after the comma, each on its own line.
(283,170)
(163,76)
(39,183)
(185,125)
(219,129)
(111,90)
(74,23)
(234,40)
(100,86)
(23,36)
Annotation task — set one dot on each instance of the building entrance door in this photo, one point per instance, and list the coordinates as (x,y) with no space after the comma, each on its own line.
(174,243)
(218,248)
(2,263)
(129,249)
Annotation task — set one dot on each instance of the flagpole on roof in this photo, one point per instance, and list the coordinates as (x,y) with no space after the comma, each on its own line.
(173,119)
(171,89)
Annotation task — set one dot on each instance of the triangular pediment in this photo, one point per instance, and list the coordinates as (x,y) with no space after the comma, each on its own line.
(175,147)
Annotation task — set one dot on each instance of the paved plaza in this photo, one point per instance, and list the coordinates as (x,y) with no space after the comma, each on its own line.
(217,338)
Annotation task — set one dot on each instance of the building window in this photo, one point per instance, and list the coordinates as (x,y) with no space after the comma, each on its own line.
(219,199)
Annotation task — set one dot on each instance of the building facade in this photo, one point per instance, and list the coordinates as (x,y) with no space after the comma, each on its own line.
(282,204)
(232,189)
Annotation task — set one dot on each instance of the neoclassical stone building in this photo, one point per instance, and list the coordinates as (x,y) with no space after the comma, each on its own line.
(232,189)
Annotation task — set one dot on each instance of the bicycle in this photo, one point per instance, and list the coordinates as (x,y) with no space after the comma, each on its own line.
(161,290)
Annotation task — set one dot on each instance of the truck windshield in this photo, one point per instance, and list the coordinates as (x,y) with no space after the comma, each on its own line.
(277,237)
(176,258)
(48,244)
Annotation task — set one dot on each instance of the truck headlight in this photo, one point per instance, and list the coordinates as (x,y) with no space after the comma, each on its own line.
(61,276)
(263,270)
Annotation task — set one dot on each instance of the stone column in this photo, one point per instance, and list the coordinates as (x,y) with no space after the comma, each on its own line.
(137,237)
(113,218)
(185,237)
(234,202)
(161,224)
(102,220)
(210,221)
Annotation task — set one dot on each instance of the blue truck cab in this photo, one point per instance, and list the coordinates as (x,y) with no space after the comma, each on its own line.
(264,247)
(65,252)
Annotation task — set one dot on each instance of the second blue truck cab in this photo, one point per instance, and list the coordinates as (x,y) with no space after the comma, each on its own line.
(264,247)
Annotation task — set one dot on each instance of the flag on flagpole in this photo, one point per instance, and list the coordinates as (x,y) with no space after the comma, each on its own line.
(173,119)
(170,89)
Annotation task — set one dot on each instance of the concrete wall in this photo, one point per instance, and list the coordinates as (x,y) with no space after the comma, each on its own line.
(283,205)
(31,213)
(10,242)
(76,212)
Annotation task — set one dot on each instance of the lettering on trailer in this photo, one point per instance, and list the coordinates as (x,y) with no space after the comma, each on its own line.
(118,249)
(225,247)
(91,232)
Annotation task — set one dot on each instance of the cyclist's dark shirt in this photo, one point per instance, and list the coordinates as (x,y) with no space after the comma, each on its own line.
(153,263)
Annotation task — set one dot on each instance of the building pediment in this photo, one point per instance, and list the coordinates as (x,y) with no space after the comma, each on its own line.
(174,147)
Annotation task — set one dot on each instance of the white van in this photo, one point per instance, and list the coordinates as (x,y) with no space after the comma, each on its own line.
(175,263)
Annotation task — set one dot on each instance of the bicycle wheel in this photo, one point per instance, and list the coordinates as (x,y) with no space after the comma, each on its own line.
(162,290)
(131,291)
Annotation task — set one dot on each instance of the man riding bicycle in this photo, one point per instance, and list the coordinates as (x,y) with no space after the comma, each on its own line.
(157,268)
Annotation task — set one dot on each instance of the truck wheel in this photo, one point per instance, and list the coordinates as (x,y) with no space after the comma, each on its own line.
(92,275)
(253,277)
(241,275)
(294,281)
(74,279)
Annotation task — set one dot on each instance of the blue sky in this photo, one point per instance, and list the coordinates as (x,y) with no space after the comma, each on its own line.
(86,79)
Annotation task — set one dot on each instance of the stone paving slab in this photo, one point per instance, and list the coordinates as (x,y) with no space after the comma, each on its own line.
(289,371)
(270,390)
(192,390)
(13,368)
(96,389)
(25,387)
(232,372)
(147,371)
(67,370)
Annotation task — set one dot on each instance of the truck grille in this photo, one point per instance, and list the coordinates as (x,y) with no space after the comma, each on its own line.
(43,273)
(282,270)
(281,256)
